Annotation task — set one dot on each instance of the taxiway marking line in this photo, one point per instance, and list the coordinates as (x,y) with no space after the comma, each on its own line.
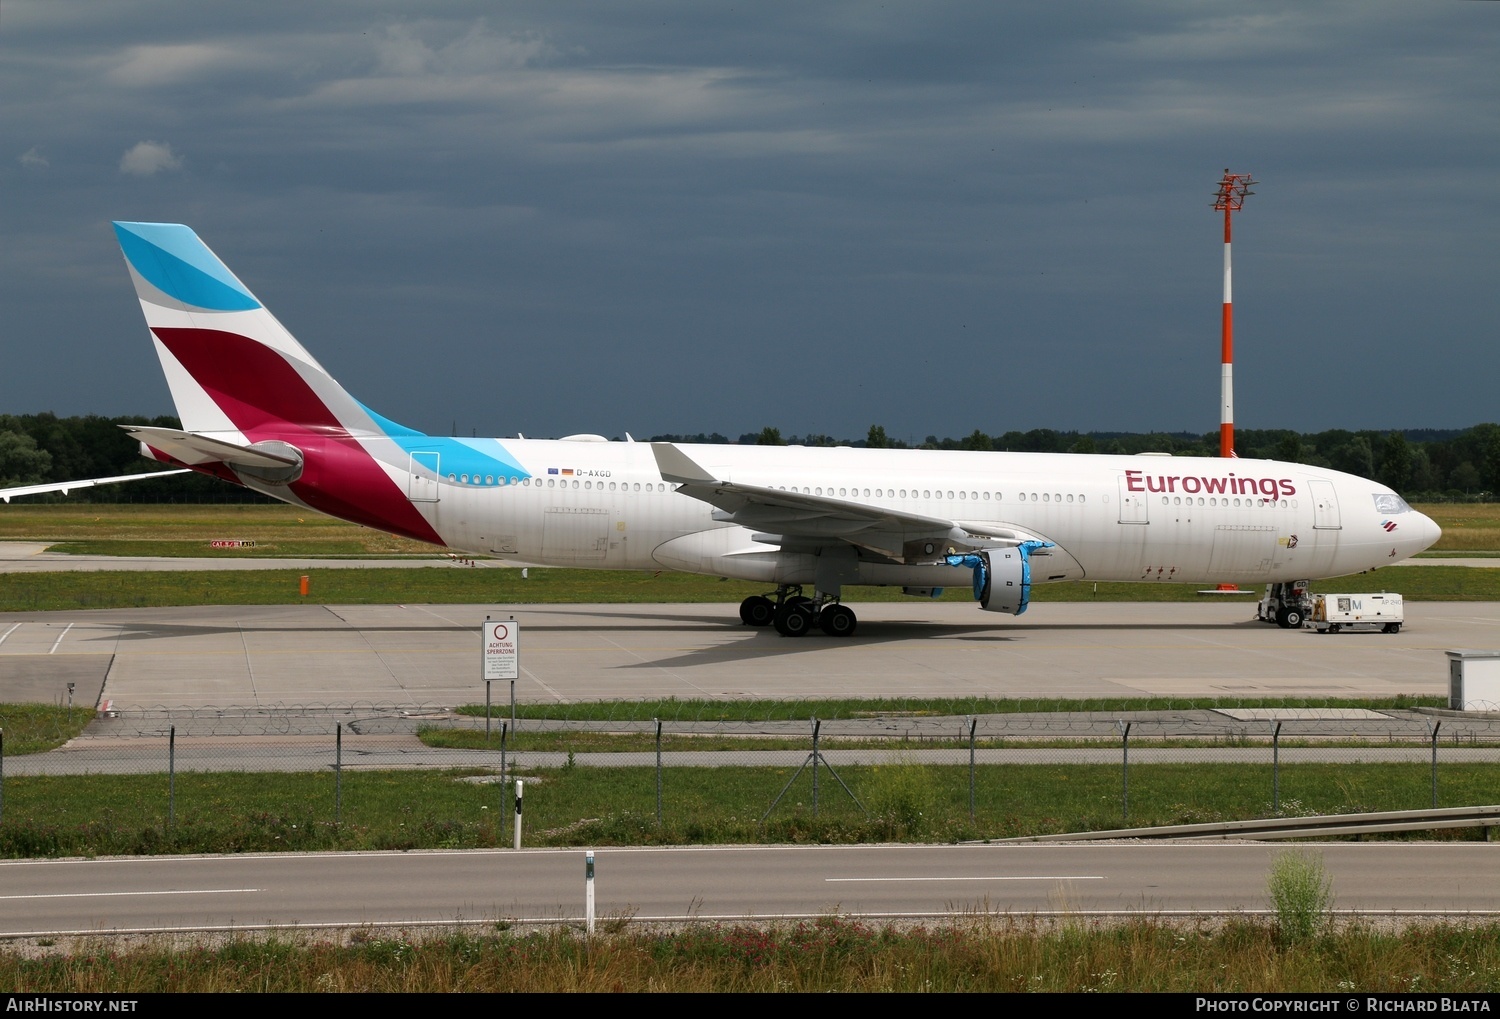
(108,895)
(1013,877)
(57,643)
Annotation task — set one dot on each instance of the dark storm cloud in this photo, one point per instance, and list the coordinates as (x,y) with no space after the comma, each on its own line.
(680,217)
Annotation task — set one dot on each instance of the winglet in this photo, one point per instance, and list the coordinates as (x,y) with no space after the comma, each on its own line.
(679,468)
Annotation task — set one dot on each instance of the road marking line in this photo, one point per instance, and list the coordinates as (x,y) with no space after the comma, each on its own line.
(1017,877)
(60,637)
(7,633)
(107,895)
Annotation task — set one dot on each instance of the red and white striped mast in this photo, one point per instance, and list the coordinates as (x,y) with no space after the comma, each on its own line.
(1233,190)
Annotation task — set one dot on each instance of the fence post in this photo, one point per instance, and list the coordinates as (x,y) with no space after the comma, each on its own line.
(2,774)
(171,776)
(658,771)
(338,772)
(815,756)
(1275,768)
(1435,727)
(1124,728)
(973,721)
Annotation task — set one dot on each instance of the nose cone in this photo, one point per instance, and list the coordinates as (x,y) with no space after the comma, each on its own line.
(1430,531)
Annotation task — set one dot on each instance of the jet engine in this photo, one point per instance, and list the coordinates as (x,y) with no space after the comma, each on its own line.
(1002,576)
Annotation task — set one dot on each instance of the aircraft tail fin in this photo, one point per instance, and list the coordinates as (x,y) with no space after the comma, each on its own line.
(231,366)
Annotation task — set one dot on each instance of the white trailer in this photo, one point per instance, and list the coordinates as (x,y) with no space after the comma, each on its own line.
(1334,612)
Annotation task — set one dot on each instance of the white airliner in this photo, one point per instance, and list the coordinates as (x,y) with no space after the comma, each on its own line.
(257,410)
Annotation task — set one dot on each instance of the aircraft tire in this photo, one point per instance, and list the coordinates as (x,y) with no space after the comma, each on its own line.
(757,610)
(793,620)
(838,621)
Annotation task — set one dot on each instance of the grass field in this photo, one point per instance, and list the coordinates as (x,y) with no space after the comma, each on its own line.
(672,709)
(103,529)
(285,531)
(833,953)
(34,728)
(224,812)
(459,585)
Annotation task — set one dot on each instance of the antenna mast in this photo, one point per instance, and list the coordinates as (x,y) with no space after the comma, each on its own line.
(1234,188)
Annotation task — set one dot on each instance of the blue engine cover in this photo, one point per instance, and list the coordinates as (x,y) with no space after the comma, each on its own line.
(1002,576)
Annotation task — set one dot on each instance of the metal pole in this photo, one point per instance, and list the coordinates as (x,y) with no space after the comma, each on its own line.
(483,663)
(171,776)
(487,710)
(2,773)
(588,891)
(519,793)
(338,773)
(1124,728)
(504,789)
(512,705)
(972,723)
(815,755)
(1276,768)
(658,771)
(1435,727)
(1234,188)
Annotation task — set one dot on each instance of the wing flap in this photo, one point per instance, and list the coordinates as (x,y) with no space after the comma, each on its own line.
(799,520)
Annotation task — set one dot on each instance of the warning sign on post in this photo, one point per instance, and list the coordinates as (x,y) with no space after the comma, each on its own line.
(502,649)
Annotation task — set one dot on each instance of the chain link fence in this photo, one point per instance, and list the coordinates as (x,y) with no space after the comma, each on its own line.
(389,767)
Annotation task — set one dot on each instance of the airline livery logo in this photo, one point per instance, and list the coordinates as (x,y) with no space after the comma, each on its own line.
(1270,488)
(1389,525)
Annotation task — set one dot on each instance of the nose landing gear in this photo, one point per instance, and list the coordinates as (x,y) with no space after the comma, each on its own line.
(1286,605)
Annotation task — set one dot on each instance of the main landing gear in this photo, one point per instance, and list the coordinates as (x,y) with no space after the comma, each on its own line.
(794,614)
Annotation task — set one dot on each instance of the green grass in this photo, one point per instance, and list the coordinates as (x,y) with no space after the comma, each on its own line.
(53,816)
(188,530)
(451,584)
(34,728)
(588,741)
(199,549)
(1301,894)
(671,709)
(833,953)
(290,530)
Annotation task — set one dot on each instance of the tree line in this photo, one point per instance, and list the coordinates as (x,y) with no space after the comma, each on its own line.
(1424,465)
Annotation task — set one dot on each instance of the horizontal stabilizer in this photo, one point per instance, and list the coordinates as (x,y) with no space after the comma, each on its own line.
(65,487)
(196,448)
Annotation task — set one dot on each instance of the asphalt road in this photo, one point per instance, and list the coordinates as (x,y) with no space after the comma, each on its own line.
(428,655)
(725,884)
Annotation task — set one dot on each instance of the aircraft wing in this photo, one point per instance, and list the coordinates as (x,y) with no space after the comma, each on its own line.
(798,520)
(65,487)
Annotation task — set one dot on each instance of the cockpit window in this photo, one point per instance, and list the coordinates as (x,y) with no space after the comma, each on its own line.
(1388,503)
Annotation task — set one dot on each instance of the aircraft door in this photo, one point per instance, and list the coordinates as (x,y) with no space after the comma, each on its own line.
(421,487)
(576,533)
(1325,506)
(1132,505)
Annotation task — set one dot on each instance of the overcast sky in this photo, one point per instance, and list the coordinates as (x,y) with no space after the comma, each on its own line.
(690,216)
